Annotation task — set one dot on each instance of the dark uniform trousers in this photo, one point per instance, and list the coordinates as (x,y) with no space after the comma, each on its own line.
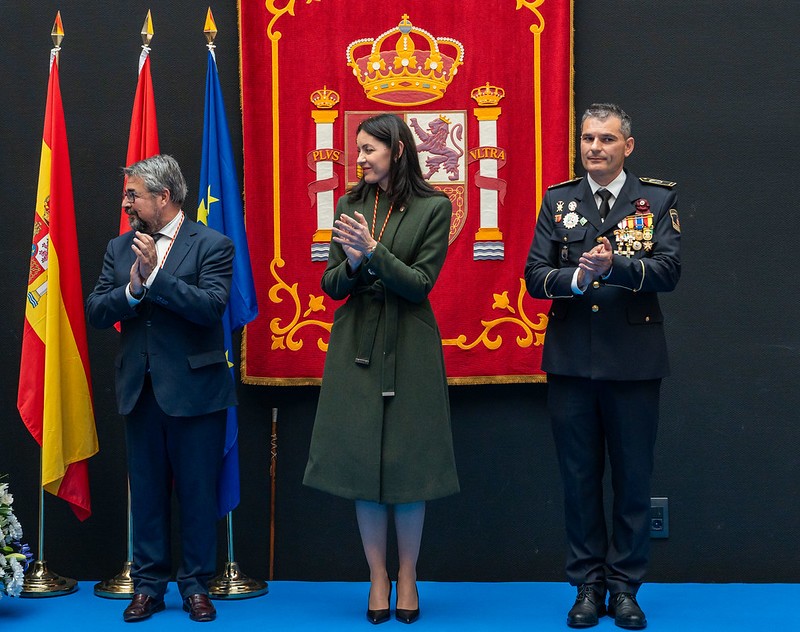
(585,414)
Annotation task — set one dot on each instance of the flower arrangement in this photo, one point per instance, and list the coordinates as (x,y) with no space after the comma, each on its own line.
(14,555)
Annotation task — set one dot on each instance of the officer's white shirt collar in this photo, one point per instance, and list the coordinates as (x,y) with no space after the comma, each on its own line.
(615,186)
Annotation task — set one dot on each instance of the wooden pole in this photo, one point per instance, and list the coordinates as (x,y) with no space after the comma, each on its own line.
(273,461)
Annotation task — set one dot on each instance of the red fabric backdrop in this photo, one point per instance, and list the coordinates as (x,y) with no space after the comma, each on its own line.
(295,55)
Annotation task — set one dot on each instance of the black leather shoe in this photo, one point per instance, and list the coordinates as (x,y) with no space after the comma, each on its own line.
(142,607)
(588,608)
(407,616)
(626,612)
(382,615)
(199,607)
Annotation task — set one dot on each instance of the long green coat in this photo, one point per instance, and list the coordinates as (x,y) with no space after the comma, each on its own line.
(382,431)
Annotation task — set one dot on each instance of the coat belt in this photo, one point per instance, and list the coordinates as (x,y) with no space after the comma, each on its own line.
(379,299)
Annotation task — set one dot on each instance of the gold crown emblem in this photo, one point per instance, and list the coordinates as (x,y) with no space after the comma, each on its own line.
(324,99)
(414,73)
(488,95)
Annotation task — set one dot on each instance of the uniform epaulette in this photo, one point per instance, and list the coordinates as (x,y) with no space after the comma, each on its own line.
(561,184)
(660,183)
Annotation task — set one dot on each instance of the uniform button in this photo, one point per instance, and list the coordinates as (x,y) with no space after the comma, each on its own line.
(647,319)
(595,308)
(565,238)
(596,284)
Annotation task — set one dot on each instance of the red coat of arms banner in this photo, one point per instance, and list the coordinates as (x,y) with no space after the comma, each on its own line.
(486,88)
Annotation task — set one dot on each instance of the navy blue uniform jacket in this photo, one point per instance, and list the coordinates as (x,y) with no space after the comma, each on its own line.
(615,330)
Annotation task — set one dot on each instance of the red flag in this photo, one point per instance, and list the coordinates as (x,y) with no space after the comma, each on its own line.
(143,137)
(55,395)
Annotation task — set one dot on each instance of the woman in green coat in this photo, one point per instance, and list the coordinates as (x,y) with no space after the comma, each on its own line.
(382,432)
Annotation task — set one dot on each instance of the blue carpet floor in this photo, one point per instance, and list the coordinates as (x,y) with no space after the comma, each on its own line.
(465,607)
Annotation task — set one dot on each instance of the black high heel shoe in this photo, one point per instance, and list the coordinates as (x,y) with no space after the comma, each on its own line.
(407,616)
(381,616)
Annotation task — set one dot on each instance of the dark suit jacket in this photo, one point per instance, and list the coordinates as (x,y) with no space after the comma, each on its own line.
(615,330)
(177,328)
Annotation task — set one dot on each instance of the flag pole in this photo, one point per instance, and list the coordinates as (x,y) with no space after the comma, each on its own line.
(38,580)
(232,583)
(121,585)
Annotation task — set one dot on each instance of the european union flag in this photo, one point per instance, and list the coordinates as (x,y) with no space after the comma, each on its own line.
(221,209)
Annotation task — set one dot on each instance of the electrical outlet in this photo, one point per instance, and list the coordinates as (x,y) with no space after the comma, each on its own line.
(659,518)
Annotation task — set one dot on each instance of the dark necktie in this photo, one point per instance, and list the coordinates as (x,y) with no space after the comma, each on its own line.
(604,194)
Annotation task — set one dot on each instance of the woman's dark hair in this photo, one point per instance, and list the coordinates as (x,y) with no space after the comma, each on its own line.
(405,174)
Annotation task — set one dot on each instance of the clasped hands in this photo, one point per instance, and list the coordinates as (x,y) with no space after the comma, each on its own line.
(353,234)
(596,263)
(144,247)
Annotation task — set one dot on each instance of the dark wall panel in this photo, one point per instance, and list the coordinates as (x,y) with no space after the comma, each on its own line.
(713,96)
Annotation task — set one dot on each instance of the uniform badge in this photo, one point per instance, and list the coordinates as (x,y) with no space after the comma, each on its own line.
(560,206)
(571,219)
(642,206)
(573,205)
(557,218)
(676,223)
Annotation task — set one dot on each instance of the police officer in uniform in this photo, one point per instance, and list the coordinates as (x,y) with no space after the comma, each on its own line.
(604,247)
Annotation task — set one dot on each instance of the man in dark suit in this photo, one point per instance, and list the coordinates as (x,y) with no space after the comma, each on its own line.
(167,282)
(603,248)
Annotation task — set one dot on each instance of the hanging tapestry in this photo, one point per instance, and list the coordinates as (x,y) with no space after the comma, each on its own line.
(486,88)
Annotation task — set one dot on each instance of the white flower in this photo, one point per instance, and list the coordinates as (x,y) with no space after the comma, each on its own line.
(14,527)
(15,554)
(15,587)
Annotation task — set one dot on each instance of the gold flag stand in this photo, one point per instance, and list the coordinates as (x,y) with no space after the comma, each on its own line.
(232,583)
(121,585)
(41,582)
(118,587)
(38,580)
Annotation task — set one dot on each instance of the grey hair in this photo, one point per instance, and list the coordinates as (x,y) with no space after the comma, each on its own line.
(602,111)
(158,173)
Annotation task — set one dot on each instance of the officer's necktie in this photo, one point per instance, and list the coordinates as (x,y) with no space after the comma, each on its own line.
(604,194)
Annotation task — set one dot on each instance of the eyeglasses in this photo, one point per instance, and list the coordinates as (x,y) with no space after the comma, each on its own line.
(132,195)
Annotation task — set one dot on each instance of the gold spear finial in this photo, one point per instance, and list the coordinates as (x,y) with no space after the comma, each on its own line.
(58,31)
(147,29)
(210,28)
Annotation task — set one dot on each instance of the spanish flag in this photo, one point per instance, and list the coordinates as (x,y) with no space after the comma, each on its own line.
(55,394)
